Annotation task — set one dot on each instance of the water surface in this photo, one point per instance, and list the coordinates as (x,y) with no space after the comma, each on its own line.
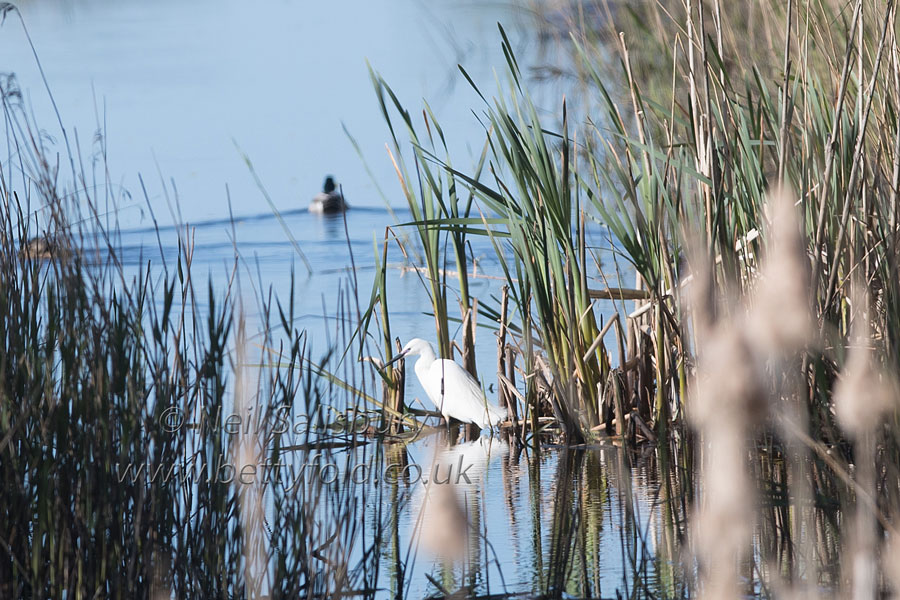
(172,86)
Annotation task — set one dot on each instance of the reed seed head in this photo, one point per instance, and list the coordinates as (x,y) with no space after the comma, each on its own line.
(728,385)
(865,392)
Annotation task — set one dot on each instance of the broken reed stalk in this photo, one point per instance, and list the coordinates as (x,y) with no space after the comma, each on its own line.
(399,390)
(510,382)
(506,370)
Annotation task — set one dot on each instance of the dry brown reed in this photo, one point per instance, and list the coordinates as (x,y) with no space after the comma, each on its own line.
(742,344)
(748,353)
(864,396)
(728,402)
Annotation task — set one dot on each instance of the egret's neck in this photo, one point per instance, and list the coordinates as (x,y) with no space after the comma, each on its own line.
(426,357)
(423,365)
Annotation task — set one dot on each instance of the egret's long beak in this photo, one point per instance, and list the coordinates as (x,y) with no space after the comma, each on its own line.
(395,359)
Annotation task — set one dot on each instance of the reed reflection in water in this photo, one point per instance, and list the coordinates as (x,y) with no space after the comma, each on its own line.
(585,522)
(598,522)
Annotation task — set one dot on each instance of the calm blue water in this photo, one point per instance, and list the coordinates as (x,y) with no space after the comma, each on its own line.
(266,255)
(173,86)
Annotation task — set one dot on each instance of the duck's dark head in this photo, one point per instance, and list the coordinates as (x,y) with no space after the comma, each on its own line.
(329,184)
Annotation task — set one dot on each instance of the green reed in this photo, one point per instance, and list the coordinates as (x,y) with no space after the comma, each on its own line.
(103,493)
(441,210)
(685,166)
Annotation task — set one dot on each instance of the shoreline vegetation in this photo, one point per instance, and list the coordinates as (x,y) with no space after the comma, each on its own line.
(744,160)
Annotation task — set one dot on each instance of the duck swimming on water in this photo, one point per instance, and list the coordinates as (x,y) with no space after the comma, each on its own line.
(329,200)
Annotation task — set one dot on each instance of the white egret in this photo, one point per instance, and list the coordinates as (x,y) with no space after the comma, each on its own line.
(329,200)
(452,389)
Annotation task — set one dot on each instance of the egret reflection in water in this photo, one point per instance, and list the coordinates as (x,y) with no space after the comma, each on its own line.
(449,499)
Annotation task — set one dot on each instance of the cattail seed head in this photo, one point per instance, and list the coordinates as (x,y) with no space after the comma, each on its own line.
(729,383)
(865,393)
(780,320)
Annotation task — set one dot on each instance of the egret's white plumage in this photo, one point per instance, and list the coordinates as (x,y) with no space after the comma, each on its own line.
(452,389)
